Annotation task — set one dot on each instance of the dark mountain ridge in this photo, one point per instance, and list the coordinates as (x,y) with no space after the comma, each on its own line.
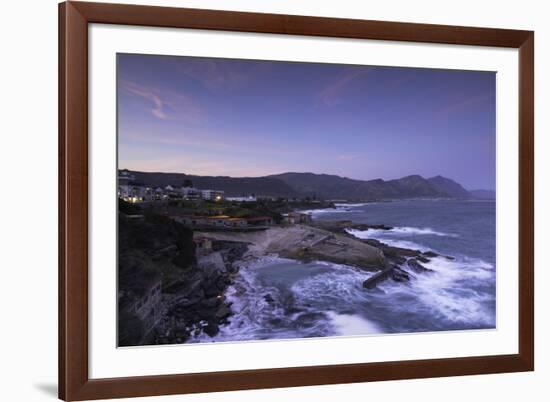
(232,186)
(324,186)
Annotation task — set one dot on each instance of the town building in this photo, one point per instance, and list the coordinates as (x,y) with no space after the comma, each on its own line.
(296,218)
(212,195)
(260,221)
(248,198)
(131,190)
(223,221)
(190,193)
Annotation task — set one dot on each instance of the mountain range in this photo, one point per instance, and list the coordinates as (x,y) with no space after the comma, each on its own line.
(322,186)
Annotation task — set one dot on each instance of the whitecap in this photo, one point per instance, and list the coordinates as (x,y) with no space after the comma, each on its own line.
(380,235)
(360,204)
(405,230)
(350,324)
(447,292)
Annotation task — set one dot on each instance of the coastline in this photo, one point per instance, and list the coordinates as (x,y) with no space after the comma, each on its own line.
(207,302)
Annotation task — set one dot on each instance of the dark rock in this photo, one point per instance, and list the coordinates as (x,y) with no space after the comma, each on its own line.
(422,259)
(398,275)
(211,302)
(430,254)
(367,227)
(399,260)
(381,276)
(222,282)
(307,319)
(223,312)
(293,310)
(211,329)
(268,298)
(416,266)
(210,289)
(342,226)
(392,252)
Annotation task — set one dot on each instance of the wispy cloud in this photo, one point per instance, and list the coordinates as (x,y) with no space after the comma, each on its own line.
(465,104)
(165,104)
(214,75)
(331,95)
(139,90)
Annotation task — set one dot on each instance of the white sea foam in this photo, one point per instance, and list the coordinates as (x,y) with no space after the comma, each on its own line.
(381,235)
(399,230)
(349,324)
(405,230)
(316,212)
(339,208)
(360,204)
(446,293)
(277,298)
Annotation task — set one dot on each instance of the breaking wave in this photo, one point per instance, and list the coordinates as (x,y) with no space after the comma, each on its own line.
(277,298)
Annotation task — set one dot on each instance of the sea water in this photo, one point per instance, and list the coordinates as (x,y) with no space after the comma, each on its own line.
(275,298)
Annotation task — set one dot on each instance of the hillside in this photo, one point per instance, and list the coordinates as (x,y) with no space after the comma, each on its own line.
(336,187)
(322,186)
(448,186)
(232,186)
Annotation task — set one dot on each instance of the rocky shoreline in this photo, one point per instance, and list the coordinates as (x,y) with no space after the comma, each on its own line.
(330,241)
(396,258)
(194,302)
(198,304)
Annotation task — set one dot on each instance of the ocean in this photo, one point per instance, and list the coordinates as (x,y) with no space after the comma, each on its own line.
(276,298)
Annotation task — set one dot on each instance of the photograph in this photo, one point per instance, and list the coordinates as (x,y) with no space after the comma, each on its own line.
(274,200)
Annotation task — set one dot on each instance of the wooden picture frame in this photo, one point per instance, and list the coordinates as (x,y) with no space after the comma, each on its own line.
(74,381)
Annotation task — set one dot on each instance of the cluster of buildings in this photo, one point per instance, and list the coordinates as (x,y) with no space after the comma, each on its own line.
(223,221)
(231,222)
(134,191)
(248,198)
(297,217)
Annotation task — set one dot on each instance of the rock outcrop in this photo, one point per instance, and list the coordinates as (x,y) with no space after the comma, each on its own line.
(307,243)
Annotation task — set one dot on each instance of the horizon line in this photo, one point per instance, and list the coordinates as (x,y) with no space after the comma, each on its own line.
(318,174)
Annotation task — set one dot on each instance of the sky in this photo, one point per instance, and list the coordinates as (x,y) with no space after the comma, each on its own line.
(225,117)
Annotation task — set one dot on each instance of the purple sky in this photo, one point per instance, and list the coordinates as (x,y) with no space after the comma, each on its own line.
(210,116)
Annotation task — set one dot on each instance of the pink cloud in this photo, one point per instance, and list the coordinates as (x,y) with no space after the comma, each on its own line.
(209,74)
(158,104)
(166,104)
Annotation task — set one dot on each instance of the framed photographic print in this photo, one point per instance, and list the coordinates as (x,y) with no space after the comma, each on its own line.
(258,200)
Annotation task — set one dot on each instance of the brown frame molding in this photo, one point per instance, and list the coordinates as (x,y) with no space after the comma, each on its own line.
(74,17)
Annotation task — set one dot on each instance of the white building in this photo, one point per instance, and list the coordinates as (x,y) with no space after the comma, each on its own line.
(190,193)
(130,190)
(249,198)
(212,195)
